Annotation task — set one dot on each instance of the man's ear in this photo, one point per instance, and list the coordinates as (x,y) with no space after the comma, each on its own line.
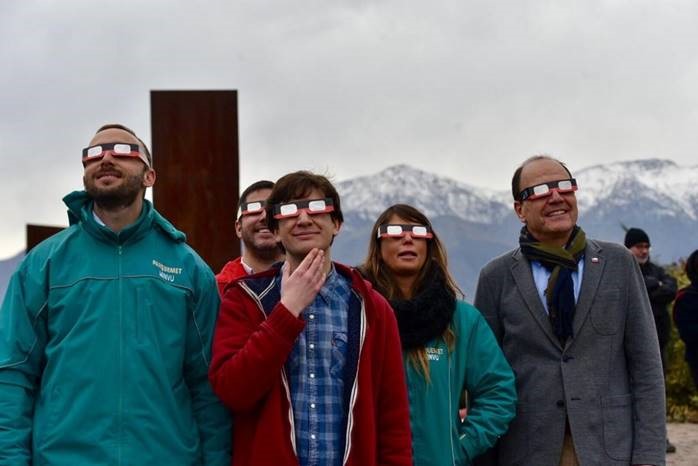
(518,208)
(337,227)
(238,228)
(149,178)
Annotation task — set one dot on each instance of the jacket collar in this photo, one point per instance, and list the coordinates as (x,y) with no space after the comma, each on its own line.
(80,211)
(265,286)
(594,263)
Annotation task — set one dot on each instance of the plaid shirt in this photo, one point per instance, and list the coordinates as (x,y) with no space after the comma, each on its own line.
(315,370)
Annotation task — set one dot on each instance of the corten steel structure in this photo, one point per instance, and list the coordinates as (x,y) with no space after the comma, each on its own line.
(195,154)
(38,233)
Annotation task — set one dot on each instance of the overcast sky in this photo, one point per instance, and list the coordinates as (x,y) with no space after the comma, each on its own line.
(461,88)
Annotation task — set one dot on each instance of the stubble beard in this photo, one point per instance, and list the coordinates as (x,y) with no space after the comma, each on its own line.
(114,198)
(265,251)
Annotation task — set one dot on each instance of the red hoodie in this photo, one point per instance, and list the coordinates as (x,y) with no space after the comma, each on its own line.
(230,271)
(254,336)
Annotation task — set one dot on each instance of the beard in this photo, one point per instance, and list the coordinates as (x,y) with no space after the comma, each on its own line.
(115,197)
(266,250)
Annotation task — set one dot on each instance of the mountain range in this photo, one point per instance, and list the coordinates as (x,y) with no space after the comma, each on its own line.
(477,224)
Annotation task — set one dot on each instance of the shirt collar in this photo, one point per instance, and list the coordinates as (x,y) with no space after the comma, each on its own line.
(331,284)
(248,269)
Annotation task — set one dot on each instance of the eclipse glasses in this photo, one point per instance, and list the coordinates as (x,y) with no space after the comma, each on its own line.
(398,231)
(117,149)
(546,189)
(252,208)
(311,207)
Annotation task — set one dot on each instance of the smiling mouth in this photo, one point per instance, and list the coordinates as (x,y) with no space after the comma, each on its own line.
(556,213)
(105,174)
(305,234)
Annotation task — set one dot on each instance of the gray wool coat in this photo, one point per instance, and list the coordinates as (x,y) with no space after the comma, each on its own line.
(607,379)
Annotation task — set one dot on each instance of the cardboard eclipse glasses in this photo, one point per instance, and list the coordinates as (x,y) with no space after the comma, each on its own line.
(398,231)
(546,189)
(252,208)
(117,149)
(310,206)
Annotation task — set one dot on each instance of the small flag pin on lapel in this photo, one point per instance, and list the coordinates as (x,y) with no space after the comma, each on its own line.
(594,260)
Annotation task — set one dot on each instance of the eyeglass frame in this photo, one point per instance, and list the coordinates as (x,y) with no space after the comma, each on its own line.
(302,205)
(245,210)
(528,194)
(383,231)
(110,147)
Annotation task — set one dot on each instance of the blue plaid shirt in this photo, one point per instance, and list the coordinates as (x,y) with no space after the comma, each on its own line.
(315,371)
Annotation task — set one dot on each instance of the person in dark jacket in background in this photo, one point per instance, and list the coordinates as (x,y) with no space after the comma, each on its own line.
(661,289)
(686,314)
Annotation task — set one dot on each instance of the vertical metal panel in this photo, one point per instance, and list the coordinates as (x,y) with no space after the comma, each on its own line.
(195,155)
(38,233)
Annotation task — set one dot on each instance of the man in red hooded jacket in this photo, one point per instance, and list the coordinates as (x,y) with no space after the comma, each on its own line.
(307,356)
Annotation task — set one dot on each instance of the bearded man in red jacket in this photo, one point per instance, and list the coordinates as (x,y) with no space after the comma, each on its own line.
(307,356)
(260,250)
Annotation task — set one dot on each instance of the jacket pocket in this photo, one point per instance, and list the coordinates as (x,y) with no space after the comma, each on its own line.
(142,316)
(618,426)
(514,447)
(604,312)
(339,351)
(47,413)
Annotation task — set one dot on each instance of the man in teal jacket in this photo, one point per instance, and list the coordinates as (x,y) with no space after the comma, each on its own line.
(105,331)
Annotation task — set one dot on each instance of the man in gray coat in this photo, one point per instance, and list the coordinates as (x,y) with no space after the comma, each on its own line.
(574,321)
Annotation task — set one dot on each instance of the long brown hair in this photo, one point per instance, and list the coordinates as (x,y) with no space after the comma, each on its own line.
(375,271)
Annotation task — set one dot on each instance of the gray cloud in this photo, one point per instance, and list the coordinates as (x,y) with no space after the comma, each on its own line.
(465,89)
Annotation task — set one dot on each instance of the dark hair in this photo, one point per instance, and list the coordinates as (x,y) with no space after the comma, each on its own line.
(374,269)
(516,179)
(256,186)
(692,267)
(131,132)
(297,185)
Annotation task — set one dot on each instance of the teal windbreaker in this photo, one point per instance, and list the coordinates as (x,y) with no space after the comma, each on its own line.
(104,348)
(476,364)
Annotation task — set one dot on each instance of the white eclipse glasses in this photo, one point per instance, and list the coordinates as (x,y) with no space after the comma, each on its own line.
(251,208)
(546,189)
(311,207)
(398,231)
(117,149)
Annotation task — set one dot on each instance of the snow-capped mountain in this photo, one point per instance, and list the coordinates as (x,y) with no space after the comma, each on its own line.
(368,196)
(669,188)
(666,188)
(477,224)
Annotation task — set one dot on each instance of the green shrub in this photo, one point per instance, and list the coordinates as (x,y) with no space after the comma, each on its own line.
(682,398)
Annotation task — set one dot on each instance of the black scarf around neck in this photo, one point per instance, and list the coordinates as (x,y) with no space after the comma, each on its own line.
(428,314)
(561,262)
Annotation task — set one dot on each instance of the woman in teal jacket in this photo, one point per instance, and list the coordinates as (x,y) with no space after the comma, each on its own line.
(448,347)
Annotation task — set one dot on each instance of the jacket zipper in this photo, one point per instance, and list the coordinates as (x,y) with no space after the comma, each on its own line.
(284,379)
(450,407)
(121,359)
(354,390)
(355,387)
